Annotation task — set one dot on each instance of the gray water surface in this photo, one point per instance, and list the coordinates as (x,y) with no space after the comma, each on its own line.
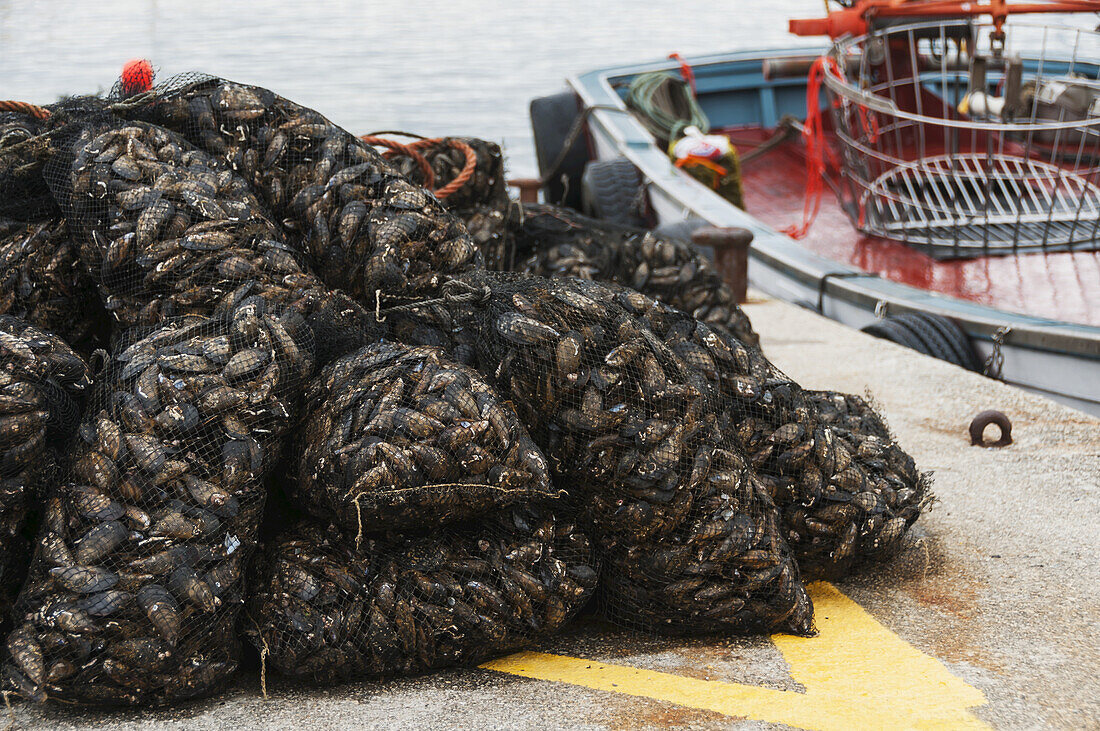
(435,68)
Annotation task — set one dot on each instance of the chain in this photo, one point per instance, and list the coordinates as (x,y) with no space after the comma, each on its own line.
(881,308)
(995,363)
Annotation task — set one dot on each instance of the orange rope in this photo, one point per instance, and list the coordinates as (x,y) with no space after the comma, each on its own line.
(398,148)
(414,150)
(32,110)
(464,175)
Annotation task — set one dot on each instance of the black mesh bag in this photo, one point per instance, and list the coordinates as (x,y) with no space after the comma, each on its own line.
(848,492)
(397,436)
(42,385)
(168,231)
(329,609)
(558,242)
(137,580)
(43,282)
(366,227)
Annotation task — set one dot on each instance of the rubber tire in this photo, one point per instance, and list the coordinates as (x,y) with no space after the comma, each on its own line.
(888,329)
(611,191)
(954,340)
(552,118)
(929,334)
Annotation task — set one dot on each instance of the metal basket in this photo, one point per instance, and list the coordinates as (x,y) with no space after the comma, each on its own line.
(918,170)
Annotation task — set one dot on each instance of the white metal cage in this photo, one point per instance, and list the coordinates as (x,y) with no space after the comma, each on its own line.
(964,144)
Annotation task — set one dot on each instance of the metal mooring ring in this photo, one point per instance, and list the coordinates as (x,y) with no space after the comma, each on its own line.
(984,419)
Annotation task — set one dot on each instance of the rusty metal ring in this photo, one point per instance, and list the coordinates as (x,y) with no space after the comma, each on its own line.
(984,419)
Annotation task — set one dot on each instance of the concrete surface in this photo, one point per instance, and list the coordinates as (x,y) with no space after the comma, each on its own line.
(1000,582)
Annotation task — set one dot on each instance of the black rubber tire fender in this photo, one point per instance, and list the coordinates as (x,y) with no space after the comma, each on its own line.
(612,190)
(934,343)
(958,343)
(888,329)
(552,119)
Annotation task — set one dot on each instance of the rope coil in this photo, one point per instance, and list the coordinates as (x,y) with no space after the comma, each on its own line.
(415,150)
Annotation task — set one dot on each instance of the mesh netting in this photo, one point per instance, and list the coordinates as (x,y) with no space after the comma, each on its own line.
(137,579)
(558,242)
(402,604)
(366,227)
(398,436)
(42,384)
(43,282)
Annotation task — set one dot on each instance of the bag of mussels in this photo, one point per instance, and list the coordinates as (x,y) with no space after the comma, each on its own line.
(400,437)
(331,607)
(167,230)
(137,580)
(42,387)
(557,242)
(467,174)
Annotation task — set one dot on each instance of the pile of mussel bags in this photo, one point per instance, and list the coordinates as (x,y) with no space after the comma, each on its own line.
(472,454)
(137,580)
(638,434)
(42,385)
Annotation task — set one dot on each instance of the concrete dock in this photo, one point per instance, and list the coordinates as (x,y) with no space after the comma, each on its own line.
(989,618)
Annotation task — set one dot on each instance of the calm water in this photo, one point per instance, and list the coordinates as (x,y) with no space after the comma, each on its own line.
(457,67)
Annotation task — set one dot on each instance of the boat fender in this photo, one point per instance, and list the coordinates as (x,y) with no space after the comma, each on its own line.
(552,120)
(612,190)
(929,334)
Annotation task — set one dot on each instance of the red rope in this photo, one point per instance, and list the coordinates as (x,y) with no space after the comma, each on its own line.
(685,71)
(468,167)
(817,149)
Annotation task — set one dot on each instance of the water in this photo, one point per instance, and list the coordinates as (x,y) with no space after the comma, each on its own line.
(459,67)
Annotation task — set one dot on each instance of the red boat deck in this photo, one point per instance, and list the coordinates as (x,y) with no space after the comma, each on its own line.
(1061,286)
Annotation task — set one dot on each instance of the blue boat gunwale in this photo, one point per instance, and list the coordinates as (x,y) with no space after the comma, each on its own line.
(771,247)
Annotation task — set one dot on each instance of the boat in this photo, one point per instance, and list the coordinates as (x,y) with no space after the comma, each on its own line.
(957,150)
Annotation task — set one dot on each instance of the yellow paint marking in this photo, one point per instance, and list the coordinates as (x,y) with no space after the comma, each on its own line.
(857,674)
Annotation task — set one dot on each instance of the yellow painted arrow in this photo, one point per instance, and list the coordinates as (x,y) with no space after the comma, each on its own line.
(857,674)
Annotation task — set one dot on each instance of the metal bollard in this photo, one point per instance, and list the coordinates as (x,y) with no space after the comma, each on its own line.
(731,255)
